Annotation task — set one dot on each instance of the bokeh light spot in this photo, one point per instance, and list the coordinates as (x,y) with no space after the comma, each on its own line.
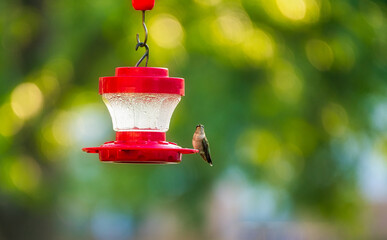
(257,146)
(281,169)
(373,14)
(381,145)
(166,31)
(208,2)
(319,54)
(345,55)
(10,123)
(48,82)
(334,119)
(259,46)
(233,25)
(286,82)
(89,124)
(26,100)
(301,136)
(292,9)
(61,128)
(25,174)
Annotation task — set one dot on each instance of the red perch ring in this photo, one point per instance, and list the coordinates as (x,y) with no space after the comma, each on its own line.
(140,147)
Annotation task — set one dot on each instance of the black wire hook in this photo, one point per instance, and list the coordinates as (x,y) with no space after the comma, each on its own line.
(143,44)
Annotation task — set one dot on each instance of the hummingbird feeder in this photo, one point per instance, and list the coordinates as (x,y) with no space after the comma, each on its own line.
(141,101)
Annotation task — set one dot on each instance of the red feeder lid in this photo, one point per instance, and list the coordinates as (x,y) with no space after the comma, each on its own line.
(141,80)
(140,147)
(143,4)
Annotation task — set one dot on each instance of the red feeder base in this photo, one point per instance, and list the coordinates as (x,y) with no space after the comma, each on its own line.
(140,147)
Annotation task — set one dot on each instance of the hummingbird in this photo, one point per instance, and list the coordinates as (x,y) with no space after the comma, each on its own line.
(200,142)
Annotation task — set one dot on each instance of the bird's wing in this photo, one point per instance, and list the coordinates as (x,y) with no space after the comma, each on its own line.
(206,149)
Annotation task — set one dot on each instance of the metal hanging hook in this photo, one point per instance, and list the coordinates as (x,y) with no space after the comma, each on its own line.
(143,44)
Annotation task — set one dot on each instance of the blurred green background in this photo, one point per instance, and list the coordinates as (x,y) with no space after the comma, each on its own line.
(293,94)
